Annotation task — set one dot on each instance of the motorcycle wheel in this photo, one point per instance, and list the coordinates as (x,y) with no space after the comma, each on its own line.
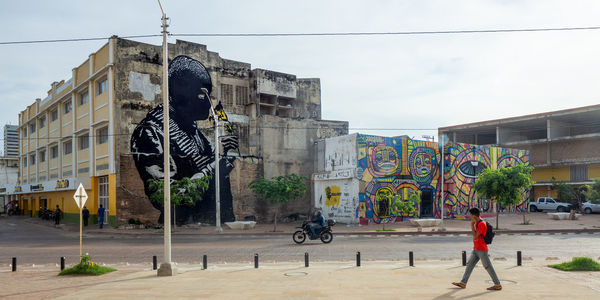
(326,237)
(299,237)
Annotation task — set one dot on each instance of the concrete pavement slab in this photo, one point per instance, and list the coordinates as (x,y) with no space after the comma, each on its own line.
(322,280)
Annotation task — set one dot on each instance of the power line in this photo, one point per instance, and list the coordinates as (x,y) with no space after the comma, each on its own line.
(312,34)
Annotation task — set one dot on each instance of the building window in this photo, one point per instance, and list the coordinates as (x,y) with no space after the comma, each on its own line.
(43,122)
(84,97)
(32,159)
(67,107)
(32,128)
(24,161)
(101,86)
(54,115)
(42,156)
(241,95)
(25,132)
(84,141)
(579,173)
(103,194)
(67,147)
(54,152)
(227,94)
(102,135)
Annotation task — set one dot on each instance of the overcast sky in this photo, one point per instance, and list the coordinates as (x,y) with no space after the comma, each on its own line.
(419,81)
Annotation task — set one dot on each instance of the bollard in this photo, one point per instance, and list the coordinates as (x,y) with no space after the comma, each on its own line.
(14,264)
(62,263)
(464,258)
(256,260)
(306,259)
(411,260)
(518,258)
(154,262)
(358,259)
(204,262)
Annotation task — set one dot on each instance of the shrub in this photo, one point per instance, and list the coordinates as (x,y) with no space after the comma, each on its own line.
(86,267)
(578,264)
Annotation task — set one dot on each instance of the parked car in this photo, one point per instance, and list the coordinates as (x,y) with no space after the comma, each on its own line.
(547,203)
(589,207)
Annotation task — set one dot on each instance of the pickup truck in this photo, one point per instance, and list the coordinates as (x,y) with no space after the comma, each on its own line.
(547,203)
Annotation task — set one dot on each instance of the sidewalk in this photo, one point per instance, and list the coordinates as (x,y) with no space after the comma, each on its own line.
(509,223)
(322,280)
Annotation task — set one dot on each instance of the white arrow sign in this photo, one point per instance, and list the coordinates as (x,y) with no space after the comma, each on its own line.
(80,196)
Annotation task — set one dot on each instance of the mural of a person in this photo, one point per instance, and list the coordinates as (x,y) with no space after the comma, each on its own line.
(191,154)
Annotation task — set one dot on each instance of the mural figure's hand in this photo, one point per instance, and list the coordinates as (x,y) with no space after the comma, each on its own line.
(229,142)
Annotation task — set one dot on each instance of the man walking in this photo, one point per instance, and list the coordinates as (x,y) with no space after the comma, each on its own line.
(85,215)
(100,216)
(480,251)
(57,213)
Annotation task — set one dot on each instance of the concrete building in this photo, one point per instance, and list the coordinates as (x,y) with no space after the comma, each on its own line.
(11,140)
(81,132)
(9,172)
(353,170)
(564,145)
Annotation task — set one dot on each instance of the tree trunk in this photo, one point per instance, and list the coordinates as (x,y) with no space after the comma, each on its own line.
(275,221)
(497,217)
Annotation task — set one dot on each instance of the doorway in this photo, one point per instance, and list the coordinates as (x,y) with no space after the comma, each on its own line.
(426,203)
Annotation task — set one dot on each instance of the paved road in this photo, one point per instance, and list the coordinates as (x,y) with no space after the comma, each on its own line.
(37,244)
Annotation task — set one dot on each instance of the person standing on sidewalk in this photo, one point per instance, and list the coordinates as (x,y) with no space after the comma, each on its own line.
(101,216)
(57,213)
(480,251)
(86,215)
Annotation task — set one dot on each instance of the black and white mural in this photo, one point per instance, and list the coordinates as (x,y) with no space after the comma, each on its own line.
(191,154)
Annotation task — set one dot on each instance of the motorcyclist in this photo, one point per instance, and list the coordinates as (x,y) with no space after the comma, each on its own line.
(319,222)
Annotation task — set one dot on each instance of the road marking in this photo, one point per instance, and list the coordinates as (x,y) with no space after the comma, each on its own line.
(11,224)
(354,235)
(380,235)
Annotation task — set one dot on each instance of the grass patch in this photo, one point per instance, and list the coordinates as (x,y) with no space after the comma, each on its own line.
(379,230)
(578,264)
(86,267)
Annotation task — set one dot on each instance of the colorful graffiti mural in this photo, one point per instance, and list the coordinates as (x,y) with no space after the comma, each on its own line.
(463,162)
(399,166)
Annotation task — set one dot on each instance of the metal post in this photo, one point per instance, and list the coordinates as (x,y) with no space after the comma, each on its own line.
(204,262)
(14,264)
(358,259)
(62,263)
(442,140)
(519,260)
(411,260)
(166,269)
(256,260)
(306,259)
(464,258)
(154,262)
(80,230)
(217,169)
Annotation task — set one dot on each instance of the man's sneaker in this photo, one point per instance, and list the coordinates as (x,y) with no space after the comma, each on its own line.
(460,285)
(494,288)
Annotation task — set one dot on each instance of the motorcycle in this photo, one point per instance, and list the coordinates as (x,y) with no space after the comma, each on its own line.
(324,233)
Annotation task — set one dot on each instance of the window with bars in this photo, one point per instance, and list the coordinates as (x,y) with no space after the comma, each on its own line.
(241,95)
(579,173)
(103,195)
(227,94)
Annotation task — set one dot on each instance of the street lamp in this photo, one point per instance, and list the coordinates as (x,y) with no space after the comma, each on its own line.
(166,268)
(217,153)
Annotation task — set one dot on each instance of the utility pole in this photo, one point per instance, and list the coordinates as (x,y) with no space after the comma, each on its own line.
(442,140)
(217,171)
(166,268)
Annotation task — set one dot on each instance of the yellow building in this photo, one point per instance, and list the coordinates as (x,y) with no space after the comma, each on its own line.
(67,139)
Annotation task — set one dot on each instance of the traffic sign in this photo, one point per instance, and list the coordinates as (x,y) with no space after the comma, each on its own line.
(80,196)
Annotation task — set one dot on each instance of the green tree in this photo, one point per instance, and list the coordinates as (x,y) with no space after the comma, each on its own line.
(503,186)
(280,189)
(399,205)
(592,191)
(185,191)
(565,193)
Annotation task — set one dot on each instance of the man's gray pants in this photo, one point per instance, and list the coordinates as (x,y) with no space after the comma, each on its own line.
(476,255)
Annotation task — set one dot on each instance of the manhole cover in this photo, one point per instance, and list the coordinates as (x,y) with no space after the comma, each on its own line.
(296,274)
(502,282)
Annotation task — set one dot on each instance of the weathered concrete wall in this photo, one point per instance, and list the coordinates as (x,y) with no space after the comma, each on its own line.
(340,153)
(131,200)
(308,100)
(336,195)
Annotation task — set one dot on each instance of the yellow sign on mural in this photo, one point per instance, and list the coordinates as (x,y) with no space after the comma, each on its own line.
(333,194)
